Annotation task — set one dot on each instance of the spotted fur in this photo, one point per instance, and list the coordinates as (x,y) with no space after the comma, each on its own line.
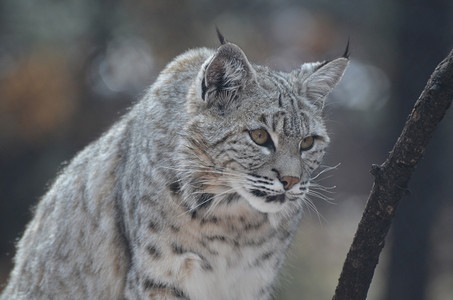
(176,200)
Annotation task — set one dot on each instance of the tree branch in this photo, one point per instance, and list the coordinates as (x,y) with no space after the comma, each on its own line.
(391,181)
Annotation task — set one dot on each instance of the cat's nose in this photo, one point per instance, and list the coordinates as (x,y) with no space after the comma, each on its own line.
(289,181)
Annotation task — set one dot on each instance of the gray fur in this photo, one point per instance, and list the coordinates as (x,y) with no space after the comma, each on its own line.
(176,201)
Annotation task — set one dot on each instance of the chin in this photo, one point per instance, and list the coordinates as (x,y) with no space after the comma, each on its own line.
(261,205)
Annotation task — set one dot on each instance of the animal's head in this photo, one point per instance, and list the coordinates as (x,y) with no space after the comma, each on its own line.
(257,132)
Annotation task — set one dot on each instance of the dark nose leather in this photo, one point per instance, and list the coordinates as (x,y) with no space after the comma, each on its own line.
(289,181)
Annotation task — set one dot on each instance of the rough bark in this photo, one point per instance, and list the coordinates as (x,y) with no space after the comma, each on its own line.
(391,181)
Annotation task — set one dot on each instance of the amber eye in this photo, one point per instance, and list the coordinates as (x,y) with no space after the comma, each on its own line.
(259,136)
(307,143)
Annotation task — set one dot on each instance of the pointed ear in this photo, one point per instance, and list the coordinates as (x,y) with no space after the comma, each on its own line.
(225,76)
(324,78)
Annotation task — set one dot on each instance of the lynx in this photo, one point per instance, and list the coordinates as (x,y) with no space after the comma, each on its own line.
(195,193)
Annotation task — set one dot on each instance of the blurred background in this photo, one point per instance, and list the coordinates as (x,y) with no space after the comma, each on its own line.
(69,69)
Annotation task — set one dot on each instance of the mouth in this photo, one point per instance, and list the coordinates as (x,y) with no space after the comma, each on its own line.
(276,198)
(269,198)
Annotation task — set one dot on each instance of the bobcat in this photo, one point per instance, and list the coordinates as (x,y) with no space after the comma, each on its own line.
(194,194)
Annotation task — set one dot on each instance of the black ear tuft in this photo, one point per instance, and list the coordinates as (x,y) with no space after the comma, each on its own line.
(220,36)
(321,65)
(347,53)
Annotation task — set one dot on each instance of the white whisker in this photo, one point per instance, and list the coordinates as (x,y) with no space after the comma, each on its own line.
(327,169)
(312,207)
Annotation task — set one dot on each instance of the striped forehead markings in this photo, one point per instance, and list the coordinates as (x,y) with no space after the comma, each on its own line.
(290,124)
(276,119)
(286,89)
(280,104)
(291,119)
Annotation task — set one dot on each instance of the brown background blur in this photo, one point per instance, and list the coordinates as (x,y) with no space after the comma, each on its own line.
(69,69)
